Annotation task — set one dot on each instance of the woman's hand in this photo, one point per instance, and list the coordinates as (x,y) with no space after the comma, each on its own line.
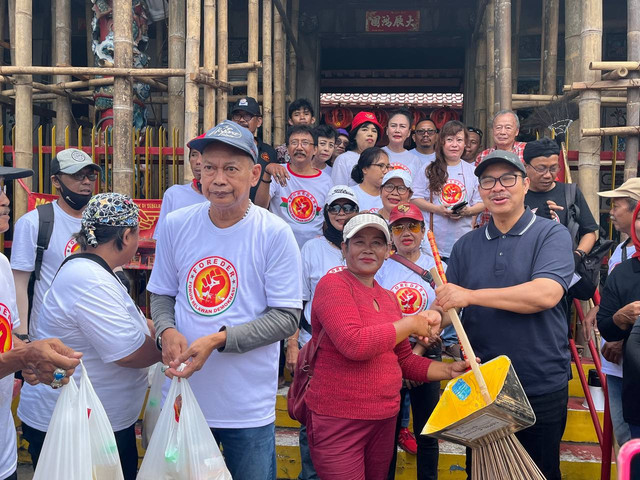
(458,368)
(426,325)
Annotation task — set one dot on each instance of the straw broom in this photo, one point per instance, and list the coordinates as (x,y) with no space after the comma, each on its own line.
(499,457)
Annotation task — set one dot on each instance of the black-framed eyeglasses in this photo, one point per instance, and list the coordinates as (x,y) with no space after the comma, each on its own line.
(79,176)
(247,117)
(477,131)
(507,180)
(543,170)
(347,208)
(390,187)
(428,131)
(385,167)
(304,143)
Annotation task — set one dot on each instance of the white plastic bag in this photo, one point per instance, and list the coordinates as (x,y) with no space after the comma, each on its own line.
(182,446)
(80,444)
(154,403)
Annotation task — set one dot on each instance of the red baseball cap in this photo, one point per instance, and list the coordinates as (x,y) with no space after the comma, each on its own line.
(364,117)
(405,210)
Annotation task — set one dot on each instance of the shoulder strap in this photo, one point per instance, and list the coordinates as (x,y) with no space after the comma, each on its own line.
(430,213)
(573,211)
(424,274)
(45,228)
(89,256)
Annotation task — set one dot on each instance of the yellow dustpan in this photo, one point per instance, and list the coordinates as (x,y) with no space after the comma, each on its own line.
(481,409)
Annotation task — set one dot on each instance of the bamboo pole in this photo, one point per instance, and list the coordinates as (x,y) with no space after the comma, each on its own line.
(253,35)
(572,66)
(92,71)
(88,17)
(630,131)
(616,74)
(614,65)
(209,60)
(589,147)
(241,66)
(191,89)
(490,84)
(496,57)
(503,8)
(291,37)
(604,84)
(3,15)
(278,79)
(293,57)
(23,107)
(267,71)
(223,56)
(12,30)
(481,84)
(176,54)
(550,56)
(122,98)
(515,46)
(633,94)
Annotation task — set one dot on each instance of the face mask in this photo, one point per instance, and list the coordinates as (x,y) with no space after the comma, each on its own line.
(77,201)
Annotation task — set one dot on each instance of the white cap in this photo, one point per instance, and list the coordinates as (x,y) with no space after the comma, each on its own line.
(365,220)
(398,173)
(71,161)
(341,191)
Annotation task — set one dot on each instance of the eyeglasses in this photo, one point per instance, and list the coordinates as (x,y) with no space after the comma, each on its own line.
(304,143)
(477,131)
(390,187)
(429,131)
(382,166)
(413,227)
(342,142)
(347,208)
(242,116)
(506,180)
(79,176)
(543,170)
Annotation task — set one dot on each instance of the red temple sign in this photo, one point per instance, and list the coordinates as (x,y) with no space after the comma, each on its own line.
(392,21)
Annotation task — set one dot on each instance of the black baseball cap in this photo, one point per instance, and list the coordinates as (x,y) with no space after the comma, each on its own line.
(11,173)
(247,104)
(500,156)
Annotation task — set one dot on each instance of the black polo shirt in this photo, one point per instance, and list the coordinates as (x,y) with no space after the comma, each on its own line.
(537,344)
(266,155)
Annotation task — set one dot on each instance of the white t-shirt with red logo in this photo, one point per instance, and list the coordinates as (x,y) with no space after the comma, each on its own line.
(462,185)
(405,160)
(177,196)
(413,293)
(342,167)
(23,251)
(366,202)
(300,203)
(8,321)
(224,277)
(319,257)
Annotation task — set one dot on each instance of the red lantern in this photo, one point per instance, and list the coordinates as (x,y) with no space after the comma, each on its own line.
(418,115)
(443,115)
(382,116)
(339,117)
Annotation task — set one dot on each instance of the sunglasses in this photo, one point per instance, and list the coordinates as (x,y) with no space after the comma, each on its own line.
(347,208)
(476,131)
(413,227)
(81,176)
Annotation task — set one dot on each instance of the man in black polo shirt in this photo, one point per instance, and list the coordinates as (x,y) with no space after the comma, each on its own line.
(509,276)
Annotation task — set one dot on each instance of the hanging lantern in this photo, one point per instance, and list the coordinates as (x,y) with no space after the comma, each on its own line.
(418,115)
(382,116)
(339,117)
(443,115)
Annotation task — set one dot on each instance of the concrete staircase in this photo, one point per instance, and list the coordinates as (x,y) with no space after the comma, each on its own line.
(580,453)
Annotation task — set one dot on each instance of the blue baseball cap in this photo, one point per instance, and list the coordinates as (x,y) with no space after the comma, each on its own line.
(230,133)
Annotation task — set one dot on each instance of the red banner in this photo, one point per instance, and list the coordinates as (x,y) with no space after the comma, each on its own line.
(392,21)
(147,218)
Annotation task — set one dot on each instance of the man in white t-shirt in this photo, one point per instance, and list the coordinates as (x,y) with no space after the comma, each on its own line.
(180,196)
(299,203)
(226,283)
(425,137)
(17,355)
(74,175)
(624,200)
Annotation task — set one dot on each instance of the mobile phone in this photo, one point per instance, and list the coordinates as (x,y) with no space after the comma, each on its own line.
(459,206)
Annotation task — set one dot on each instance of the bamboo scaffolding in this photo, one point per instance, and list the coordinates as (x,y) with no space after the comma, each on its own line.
(176,58)
(209,82)
(515,46)
(616,74)
(12,30)
(223,57)
(496,57)
(23,145)
(253,35)
(481,84)
(293,57)
(241,66)
(191,88)
(91,71)
(490,84)
(503,15)
(550,55)
(278,78)
(291,37)
(572,66)
(267,70)
(614,65)
(122,169)
(633,94)
(623,131)
(62,43)
(151,82)
(604,84)
(209,60)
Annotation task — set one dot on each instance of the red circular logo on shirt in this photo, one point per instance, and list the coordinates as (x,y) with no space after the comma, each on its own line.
(336,269)
(212,284)
(302,206)
(6,340)
(452,193)
(71,247)
(399,166)
(412,297)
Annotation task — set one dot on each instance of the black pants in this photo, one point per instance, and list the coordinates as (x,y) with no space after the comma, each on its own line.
(13,476)
(542,440)
(125,440)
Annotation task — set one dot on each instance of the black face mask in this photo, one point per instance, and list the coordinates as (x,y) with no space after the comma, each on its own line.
(77,201)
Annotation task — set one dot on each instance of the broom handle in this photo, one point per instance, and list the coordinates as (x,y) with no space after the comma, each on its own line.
(567,170)
(462,336)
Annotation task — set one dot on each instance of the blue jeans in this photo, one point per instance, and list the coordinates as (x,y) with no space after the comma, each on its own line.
(405,411)
(308,472)
(620,427)
(250,453)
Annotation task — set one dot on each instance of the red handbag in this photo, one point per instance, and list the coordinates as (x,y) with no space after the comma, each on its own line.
(301,377)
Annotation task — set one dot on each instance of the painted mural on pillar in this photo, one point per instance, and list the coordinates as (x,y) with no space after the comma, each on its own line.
(103,51)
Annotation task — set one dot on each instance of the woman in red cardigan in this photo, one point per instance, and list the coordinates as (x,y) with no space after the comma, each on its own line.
(353,398)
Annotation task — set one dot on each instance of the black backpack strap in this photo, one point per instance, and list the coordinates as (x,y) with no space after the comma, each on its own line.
(45,228)
(573,212)
(90,256)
